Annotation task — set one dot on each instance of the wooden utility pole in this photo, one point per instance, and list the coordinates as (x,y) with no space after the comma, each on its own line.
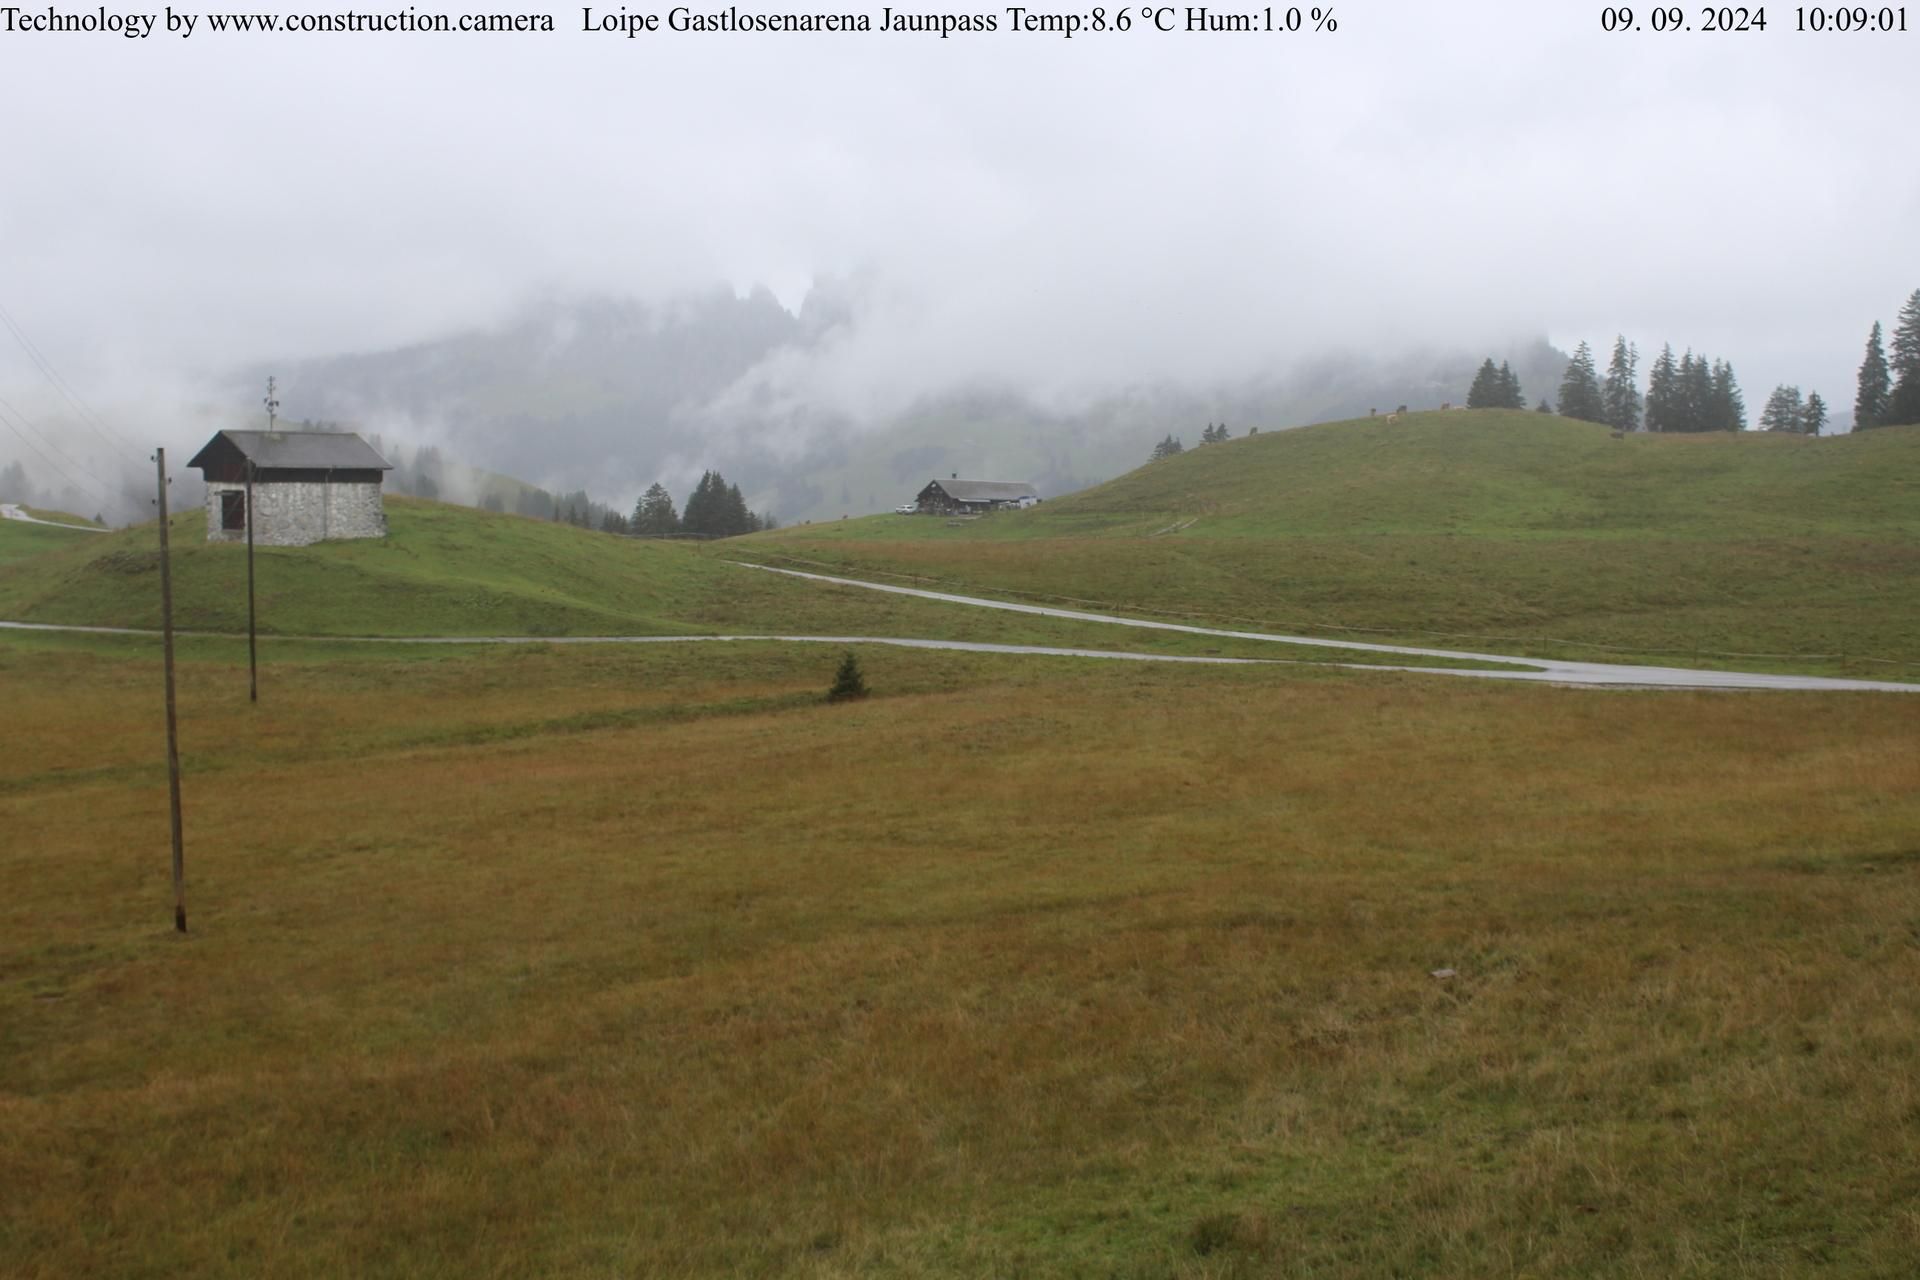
(173,733)
(253,655)
(253,660)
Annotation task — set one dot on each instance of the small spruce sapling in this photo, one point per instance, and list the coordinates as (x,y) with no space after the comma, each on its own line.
(848,683)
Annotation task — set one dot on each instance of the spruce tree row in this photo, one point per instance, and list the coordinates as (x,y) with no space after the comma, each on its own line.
(1688,394)
(715,509)
(1495,388)
(1693,394)
(1787,411)
(1213,434)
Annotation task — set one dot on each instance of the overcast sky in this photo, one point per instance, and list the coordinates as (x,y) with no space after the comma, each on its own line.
(1061,214)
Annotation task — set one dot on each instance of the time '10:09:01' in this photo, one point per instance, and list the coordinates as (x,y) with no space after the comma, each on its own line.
(1674,18)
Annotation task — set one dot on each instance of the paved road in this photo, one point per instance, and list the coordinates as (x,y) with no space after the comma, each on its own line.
(1538,670)
(902,642)
(1587,674)
(1544,670)
(13,511)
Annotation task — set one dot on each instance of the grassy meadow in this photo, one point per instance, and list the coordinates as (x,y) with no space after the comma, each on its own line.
(594,962)
(20,540)
(1512,531)
(587,961)
(59,517)
(447,570)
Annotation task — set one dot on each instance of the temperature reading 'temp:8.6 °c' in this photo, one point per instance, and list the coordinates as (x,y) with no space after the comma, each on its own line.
(1724,18)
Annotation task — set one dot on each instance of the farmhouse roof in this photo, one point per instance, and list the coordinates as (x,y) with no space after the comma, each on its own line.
(294,450)
(986,490)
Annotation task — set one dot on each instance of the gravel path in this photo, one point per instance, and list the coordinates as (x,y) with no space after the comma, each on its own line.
(13,511)
(1537,670)
(1540,670)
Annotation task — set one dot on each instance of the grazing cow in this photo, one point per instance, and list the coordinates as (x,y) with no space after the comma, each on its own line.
(1445,405)
(1401,409)
(1393,417)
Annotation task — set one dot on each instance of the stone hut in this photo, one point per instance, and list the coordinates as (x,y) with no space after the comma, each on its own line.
(308,486)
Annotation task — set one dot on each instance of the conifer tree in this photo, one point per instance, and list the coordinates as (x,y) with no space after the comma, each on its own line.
(1692,401)
(1621,394)
(736,518)
(1784,411)
(1545,406)
(654,513)
(1695,393)
(1486,391)
(1903,406)
(717,509)
(848,682)
(1663,386)
(1815,418)
(1166,448)
(1692,390)
(701,514)
(1875,385)
(1728,408)
(1580,388)
(1511,397)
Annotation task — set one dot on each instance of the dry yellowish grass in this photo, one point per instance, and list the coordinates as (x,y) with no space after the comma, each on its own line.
(651,963)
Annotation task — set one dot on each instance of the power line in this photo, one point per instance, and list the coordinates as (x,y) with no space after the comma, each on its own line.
(65,474)
(38,431)
(92,420)
(11,416)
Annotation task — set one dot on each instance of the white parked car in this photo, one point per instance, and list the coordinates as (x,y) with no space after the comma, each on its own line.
(905,509)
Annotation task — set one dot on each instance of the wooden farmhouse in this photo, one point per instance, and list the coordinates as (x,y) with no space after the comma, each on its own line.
(308,486)
(973,497)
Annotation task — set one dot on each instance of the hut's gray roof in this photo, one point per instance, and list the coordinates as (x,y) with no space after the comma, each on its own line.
(298,450)
(986,490)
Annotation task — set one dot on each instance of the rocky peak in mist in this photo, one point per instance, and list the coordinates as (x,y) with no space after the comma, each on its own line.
(581,359)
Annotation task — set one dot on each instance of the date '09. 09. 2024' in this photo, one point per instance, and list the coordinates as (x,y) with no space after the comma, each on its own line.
(1724,18)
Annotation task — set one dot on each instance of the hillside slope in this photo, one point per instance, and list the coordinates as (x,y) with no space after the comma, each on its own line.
(21,540)
(1507,472)
(1499,525)
(444,569)
(611,394)
(453,571)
